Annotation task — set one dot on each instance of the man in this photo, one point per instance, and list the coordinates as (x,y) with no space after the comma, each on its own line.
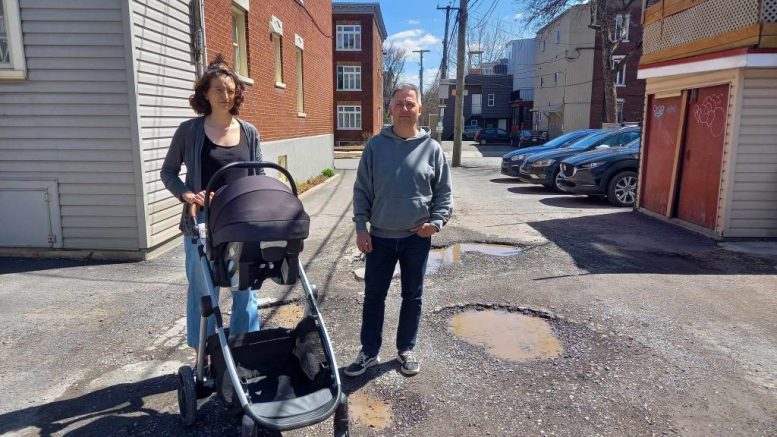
(403,188)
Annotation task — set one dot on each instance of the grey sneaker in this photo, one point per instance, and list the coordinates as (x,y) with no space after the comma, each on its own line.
(361,364)
(408,363)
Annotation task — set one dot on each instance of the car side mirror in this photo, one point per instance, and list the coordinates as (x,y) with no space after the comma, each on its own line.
(602,147)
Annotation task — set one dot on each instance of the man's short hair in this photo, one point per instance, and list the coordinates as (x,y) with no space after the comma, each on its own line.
(406,87)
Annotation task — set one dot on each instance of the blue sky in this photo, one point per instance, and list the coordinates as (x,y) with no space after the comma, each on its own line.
(417,24)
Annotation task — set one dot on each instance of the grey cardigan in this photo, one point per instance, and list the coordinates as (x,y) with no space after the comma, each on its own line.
(186,148)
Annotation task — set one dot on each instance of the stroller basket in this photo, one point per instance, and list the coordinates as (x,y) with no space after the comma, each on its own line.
(259,224)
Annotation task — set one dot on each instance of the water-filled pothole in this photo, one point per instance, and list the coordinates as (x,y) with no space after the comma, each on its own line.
(507,335)
(285,316)
(448,256)
(369,411)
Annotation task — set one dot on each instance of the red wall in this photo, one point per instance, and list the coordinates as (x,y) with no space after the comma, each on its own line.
(274,110)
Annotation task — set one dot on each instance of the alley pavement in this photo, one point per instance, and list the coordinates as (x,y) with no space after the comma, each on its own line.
(662,331)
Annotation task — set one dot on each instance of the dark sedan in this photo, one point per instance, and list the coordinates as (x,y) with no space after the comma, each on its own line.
(492,135)
(610,172)
(543,168)
(512,161)
(529,138)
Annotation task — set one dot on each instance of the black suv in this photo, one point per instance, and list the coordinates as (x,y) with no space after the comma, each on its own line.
(609,172)
(528,138)
(492,135)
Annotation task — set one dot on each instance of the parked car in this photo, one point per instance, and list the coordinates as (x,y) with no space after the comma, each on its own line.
(469,132)
(492,135)
(544,168)
(611,172)
(512,161)
(528,138)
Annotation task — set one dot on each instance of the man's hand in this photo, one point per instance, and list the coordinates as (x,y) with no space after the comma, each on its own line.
(364,241)
(425,230)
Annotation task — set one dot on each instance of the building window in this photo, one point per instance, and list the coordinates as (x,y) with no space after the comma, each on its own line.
(558,36)
(300,78)
(12,62)
(349,37)
(491,99)
(477,104)
(349,78)
(239,40)
(622,27)
(619,104)
(555,77)
(276,29)
(349,117)
(543,45)
(620,75)
(473,122)
(542,81)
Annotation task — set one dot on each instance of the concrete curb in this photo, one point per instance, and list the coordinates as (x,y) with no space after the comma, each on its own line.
(317,187)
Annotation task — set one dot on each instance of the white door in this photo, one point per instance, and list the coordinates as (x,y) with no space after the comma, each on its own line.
(503,123)
(477,104)
(34,219)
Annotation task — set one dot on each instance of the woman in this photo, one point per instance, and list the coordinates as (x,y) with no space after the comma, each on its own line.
(205,144)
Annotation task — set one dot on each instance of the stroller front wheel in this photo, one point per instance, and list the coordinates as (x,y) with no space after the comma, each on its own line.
(342,422)
(187,395)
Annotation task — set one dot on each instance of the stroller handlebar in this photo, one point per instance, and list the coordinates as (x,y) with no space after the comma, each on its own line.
(251,165)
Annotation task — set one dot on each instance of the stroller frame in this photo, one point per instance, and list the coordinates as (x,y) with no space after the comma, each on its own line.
(195,383)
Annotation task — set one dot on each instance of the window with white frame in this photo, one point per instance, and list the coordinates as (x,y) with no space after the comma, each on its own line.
(349,37)
(620,75)
(239,40)
(349,117)
(349,78)
(300,45)
(619,108)
(276,29)
(491,99)
(622,27)
(12,62)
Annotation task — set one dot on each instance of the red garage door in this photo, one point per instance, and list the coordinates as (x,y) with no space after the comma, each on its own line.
(663,122)
(705,129)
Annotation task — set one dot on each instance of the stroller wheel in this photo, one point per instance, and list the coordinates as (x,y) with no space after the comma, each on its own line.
(342,423)
(248,428)
(187,395)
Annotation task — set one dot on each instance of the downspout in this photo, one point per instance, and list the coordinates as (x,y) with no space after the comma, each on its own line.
(200,46)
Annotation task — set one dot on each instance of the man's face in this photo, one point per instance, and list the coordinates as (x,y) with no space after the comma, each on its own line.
(405,108)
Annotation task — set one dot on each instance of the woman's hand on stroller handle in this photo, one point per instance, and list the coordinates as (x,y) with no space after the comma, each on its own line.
(196,199)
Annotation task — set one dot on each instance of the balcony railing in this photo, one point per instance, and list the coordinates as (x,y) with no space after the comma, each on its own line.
(675,29)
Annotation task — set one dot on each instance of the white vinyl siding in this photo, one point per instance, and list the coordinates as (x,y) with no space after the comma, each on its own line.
(349,117)
(349,78)
(166,73)
(754,198)
(69,121)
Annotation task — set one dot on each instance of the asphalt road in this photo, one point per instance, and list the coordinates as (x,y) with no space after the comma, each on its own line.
(662,331)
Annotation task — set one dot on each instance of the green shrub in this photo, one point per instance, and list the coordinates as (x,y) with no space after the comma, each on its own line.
(328,172)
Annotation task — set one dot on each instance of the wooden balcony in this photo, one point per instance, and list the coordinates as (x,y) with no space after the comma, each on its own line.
(674,29)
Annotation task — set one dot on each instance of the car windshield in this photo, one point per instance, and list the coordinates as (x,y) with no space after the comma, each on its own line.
(589,141)
(560,141)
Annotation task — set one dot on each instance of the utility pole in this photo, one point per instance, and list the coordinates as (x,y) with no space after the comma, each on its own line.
(458,111)
(421,75)
(444,69)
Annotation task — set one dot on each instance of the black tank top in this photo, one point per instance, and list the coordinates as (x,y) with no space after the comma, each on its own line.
(214,157)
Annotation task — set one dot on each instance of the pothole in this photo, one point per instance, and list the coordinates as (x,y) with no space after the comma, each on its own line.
(369,411)
(452,255)
(285,316)
(507,335)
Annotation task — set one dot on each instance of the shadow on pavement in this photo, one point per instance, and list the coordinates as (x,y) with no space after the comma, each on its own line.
(578,202)
(116,410)
(631,242)
(353,384)
(532,189)
(507,181)
(22,265)
(493,150)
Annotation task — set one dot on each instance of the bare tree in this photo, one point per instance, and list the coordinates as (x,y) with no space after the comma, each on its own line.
(431,103)
(393,65)
(489,38)
(603,21)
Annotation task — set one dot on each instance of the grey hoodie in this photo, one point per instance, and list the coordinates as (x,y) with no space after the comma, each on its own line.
(401,183)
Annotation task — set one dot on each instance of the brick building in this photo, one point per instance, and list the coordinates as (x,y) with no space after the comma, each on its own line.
(283,50)
(357,49)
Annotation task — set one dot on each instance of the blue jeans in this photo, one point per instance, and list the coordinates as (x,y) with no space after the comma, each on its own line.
(245,311)
(412,253)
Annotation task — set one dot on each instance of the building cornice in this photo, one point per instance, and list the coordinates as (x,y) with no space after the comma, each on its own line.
(362,8)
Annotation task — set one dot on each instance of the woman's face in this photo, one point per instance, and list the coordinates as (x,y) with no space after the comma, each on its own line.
(221,93)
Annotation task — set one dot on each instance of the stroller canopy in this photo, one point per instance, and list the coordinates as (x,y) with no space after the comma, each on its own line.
(254,209)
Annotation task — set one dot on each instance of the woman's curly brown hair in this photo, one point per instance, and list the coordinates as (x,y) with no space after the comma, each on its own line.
(218,67)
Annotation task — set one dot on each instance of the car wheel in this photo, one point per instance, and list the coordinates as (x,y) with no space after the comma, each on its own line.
(622,189)
(557,181)
(482,141)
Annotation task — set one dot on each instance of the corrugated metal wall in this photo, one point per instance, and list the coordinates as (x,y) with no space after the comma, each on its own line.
(70,120)
(161,32)
(754,198)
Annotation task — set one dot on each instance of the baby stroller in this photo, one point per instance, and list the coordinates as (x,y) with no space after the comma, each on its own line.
(277,379)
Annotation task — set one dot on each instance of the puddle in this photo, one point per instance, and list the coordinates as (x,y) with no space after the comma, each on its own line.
(369,411)
(286,316)
(440,258)
(509,336)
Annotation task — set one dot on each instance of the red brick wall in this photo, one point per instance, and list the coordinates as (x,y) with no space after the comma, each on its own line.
(370,57)
(274,110)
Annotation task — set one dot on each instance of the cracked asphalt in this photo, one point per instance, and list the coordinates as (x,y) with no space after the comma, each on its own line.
(664,332)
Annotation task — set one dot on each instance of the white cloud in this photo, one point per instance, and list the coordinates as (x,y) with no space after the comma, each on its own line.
(413,22)
(411,76)
(414,39)
(517,17)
